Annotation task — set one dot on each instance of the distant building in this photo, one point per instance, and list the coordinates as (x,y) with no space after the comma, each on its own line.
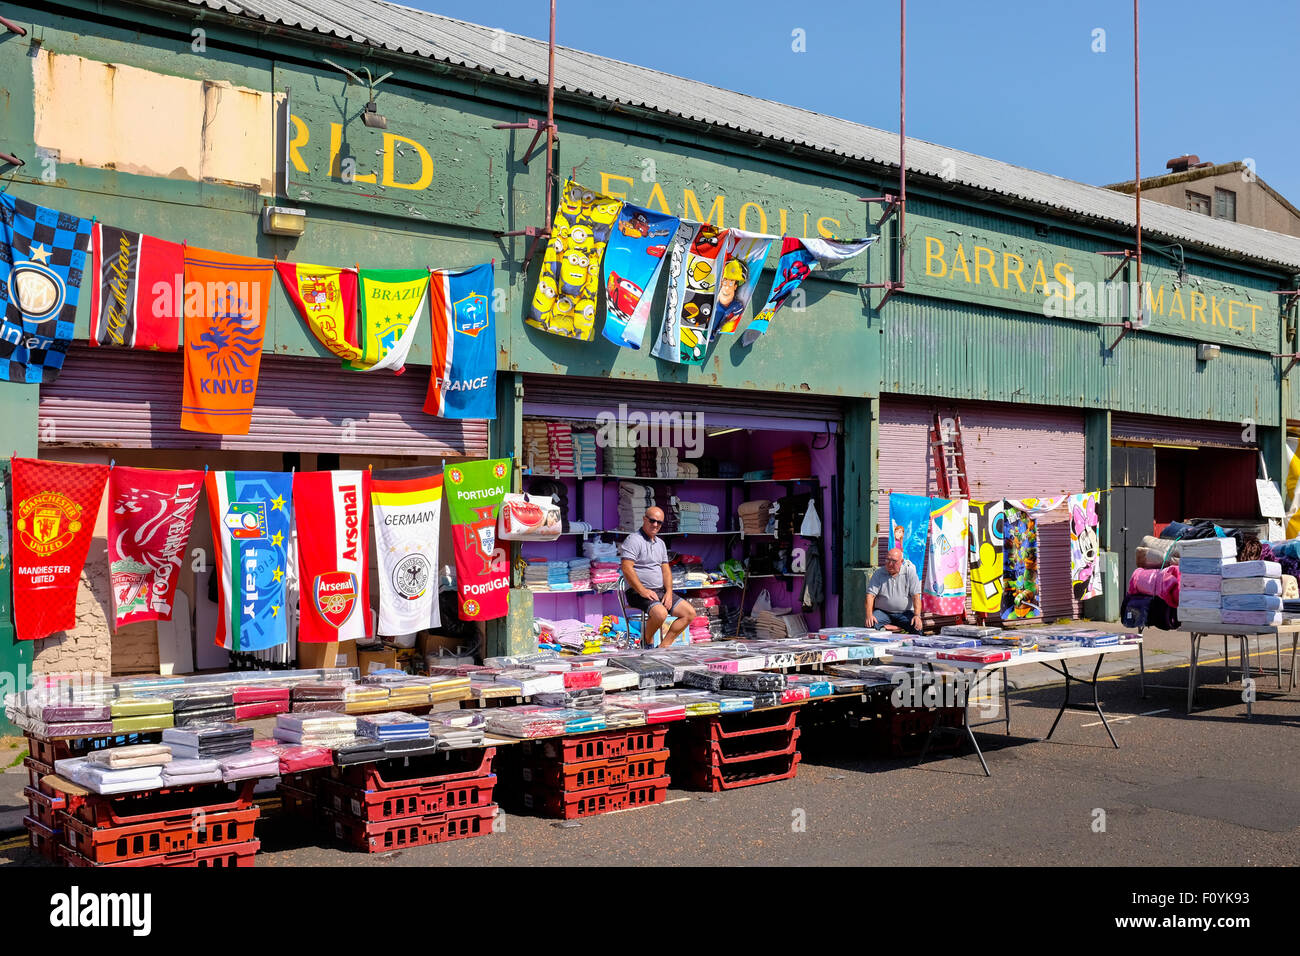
(1227,191)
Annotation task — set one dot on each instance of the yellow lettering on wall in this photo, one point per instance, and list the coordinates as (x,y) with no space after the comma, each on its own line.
(657,196)
(1177,301)
(1008,271)
(606,178)
(960,256)
(301,134)
(1216,317)
(390,163)
(1155,305)
(823,231)
(1253,310)
(1193,296)
(782,229)
(804,234)
(1040,277)
(934,256)
(1232,314)
(762,216)
(690,202)
(336,161)
(1063,274)
(981,265)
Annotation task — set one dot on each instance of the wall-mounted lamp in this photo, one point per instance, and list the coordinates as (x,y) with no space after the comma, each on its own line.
(1205,351)
(283,221)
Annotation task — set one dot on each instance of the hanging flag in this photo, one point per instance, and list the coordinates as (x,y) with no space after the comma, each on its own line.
(474,491)
(407,506)
(1292,486)
(149,519)
(634,258)
(326,298)
(909,524)
(1085,580)
(799,257)
(391,303)
(136,289)
(333,509)
(943,589)
(688,320)
(565,300)
(55,507)
(746,252)
(43,255)
(251,514)
(668,344)
(987,520)
(225,322)
(463,379)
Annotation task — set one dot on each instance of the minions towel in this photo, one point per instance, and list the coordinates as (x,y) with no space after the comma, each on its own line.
(565,300)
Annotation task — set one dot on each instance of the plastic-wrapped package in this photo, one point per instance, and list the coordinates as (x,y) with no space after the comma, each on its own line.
(320,690)
(793,694)
(106,781)
(734,701)
(841,684)
(248,764)
(392,726)
(458,738)
(532,682)
(259,695)
(491,690)
(943,642)
(190,771)
(449,688)
(410,746)
(295,758)
(83,728)
(317,707)
(66,713)
(132,755)
(208,716)
(618,678)
(191,700)
(873,674)
(584,678)
(618,716)
(979,632)
(976,655)
(656,709)
(863,652)
(817,685)
(262,708)
(587,699)
(754,681)
(704,679)
(913,652)
(365,693)
(650,673)
(457,719)
(139,706)
(208,740)
(143,723)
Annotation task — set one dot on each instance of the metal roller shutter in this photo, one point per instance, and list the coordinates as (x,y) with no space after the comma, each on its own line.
(1012,451)
(1177,431)
(109,398)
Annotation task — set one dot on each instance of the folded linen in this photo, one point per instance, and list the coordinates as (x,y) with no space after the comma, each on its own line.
(1209,548)
(1192,597)
(1205,566)
(1253,569)
(1252,602)
(1200,615)
(1255,618)
(1252,586)
(135,755)
(1202,582)
(250,763)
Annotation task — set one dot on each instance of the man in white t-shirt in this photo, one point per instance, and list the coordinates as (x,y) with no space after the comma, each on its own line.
(893,591)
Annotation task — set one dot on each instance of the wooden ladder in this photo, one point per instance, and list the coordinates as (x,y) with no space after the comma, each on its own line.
(949,457)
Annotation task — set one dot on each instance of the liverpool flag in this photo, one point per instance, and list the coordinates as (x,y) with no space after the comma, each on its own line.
(251,514)
(55,507)
(463,380)
(407,505)
(474,491)
(333,555)
(135,290)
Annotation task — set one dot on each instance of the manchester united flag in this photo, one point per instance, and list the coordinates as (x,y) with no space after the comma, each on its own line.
(55,507)
(149,519)
(474,492)
(333,555)
(407,506)
(252,513)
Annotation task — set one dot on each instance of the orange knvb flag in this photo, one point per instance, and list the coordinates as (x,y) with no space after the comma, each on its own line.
(225,321)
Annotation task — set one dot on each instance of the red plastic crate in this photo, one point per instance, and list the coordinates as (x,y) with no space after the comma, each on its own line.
(44,840)
(209,857)
(49,750)
(381,837)
(588,775)
(732,777)
(645,792)
(741,750)
(745,725)
(606,745)
(646,767)
(168,803)
(42,807)
(36,769)
(299,805)
(417,771)
(589,803)
(375,806)
(102,845)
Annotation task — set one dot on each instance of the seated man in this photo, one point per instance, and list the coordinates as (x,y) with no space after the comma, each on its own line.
(650,581)
(892,592)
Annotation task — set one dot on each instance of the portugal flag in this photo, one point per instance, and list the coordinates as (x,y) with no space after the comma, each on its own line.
(333,555)
(55,507)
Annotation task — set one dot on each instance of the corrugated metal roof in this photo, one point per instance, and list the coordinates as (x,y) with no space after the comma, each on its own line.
(416,32)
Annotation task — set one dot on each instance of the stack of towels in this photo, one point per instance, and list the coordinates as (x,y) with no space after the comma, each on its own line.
(1216,588)
(620,460)
(1252,593)
(557,576)
(698,516)
(537,447)
(656,462)
(687,469)
(535,574)
(723,469)
(633,500)
(579,574)
(604,571)
(792,462)
(559,437)
(754,515)
(586,459)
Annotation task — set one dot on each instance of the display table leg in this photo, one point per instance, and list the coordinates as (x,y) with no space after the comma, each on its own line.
(1247,674)
(1295,641)
(970,734)
(1191,673)
(1142,667)
(1064,671)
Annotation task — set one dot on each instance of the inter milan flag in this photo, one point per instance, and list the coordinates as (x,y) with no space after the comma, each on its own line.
(251,514)
(333,509)
(43,255)
(225,322)
(326,298)
(463,380)
(55,507)
(799,257)
(407,506)
(391,303)
(136,290)
(474,492)
(149,519)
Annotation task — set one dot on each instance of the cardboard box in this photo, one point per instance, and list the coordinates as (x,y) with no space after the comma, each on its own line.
(376,660)
(317,655)
(428,643)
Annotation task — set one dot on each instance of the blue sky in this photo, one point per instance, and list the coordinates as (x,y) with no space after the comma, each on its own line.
(1016,80)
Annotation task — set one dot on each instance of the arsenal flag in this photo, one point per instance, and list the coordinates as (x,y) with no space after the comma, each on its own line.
(332,508)
(135,289)
(149,520)
(55,507)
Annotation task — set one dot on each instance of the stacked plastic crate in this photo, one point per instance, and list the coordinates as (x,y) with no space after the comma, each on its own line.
(597,773)
(738,750)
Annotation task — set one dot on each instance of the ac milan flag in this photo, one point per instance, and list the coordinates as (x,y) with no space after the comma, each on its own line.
(407,506)
(149,520)
(135,290)
(55,507)
(474,492)
(252,515)
(333,555)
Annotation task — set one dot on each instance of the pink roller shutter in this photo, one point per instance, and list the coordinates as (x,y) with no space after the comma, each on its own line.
(1179,431)
(111,398)
(1012,451)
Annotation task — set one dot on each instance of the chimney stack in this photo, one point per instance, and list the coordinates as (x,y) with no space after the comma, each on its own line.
(1180,164)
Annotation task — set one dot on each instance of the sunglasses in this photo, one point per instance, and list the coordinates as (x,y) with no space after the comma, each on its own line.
(655,520)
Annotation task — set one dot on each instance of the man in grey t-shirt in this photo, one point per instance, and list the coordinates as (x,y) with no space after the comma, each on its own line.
(650,581)
(892,592)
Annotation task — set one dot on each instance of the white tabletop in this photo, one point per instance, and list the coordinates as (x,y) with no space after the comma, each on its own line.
(1290,626)
(1036,657)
